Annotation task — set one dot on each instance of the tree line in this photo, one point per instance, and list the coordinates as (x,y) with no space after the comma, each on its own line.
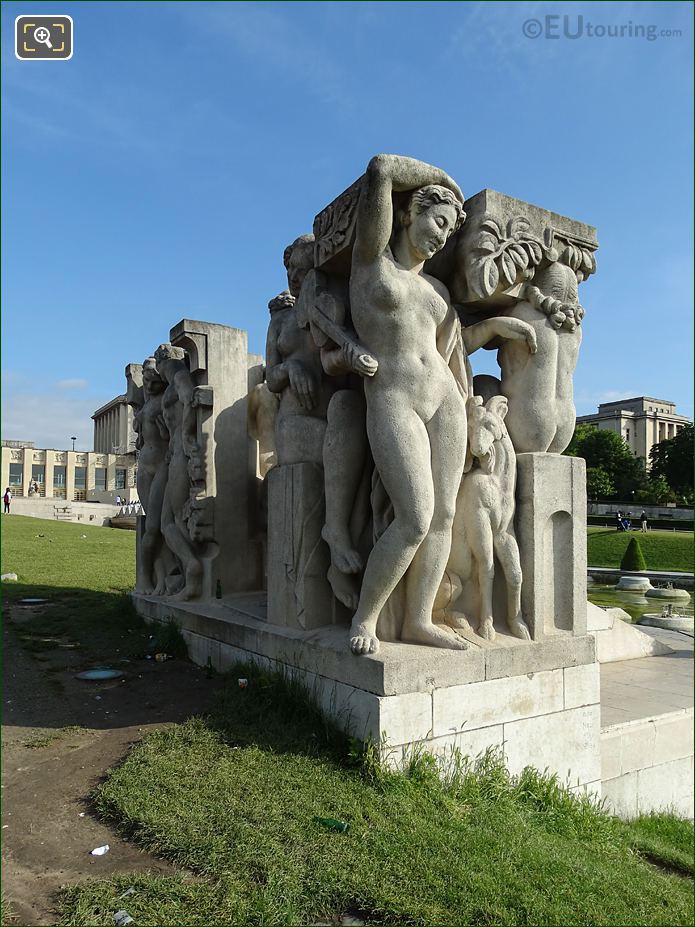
(613,472)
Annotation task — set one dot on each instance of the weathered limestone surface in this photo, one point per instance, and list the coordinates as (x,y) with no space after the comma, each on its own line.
(551,528)
(361,510)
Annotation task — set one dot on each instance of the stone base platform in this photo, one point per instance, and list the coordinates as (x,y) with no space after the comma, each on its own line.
(536,701)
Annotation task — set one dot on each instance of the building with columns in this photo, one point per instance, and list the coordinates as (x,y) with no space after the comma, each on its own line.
(113,428)
(641,422)
(73,476)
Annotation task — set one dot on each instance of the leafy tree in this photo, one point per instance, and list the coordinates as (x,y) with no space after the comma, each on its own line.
(598,484)
(672,461)
(656,492)
(606,450)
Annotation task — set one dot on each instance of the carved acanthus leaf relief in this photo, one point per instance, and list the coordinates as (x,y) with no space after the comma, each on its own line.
(333,226)
(506,258)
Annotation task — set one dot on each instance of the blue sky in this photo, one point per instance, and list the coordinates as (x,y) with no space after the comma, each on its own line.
(160,172)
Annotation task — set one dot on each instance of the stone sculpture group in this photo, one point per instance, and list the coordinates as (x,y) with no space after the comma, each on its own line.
(383,489)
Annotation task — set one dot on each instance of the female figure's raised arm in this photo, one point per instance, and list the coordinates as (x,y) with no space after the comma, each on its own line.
(384,175)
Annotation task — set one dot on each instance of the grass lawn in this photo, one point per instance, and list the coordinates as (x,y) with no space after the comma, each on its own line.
(663,550)
(85,572)
(231,800)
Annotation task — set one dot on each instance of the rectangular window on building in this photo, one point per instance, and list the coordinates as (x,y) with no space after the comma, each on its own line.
(100,478)
(80,484)
(59,477)
(627,434)
(16,474)
(38,473)
(120,477)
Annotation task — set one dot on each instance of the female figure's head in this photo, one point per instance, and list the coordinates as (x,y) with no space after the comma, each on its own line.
(284,300)
(151,380)
(431,216)
(166,356)
(298,259)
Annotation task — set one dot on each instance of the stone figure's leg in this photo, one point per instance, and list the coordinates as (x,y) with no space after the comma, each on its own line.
(507,551)
(344,451)
(174,530)
(153,527)
(480,538)
(401,450)
(446,432)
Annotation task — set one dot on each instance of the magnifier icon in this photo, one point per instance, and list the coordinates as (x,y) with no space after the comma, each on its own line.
(43,36)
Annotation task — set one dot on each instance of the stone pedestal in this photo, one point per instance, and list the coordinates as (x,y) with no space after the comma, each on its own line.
(551,531)
(299,595)
(538,702)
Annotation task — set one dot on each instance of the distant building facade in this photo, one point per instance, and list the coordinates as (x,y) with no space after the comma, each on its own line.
(641,422)
(74,476)
(113,428)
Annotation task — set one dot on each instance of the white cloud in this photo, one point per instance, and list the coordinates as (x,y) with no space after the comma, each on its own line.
(74,383)
(49,420)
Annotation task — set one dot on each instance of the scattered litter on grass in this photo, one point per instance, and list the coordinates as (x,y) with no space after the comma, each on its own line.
(100,851)
(83,536)
(332,824)
(163,657)
(243,683)
(100,673)
(128,891)
(9,577)
(97,698)
(82,814)
(122,917)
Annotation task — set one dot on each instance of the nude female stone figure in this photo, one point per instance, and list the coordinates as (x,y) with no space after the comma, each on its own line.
(416,420)
(416,413)
(152,443)
(183,455)
(539,389)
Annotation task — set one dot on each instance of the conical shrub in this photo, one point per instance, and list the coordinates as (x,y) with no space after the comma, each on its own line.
(633,558)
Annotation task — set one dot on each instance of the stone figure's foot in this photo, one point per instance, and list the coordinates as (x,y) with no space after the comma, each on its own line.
(486,630)
(345,588)
(172,584)
(343,555)
(457,621)
(363,639)
(519,628)
(193,586)
(434,636)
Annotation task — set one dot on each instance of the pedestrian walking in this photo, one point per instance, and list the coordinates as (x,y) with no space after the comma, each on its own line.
(643,521)
(6,500)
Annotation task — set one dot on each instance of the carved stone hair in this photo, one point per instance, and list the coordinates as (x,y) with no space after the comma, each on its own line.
(169,352)
(284,300)
(306,243)
(433,194)
(149,364)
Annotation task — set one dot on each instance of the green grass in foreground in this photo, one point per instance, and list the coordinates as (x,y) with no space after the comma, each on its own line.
(233,798)
(663,550)
(85,573)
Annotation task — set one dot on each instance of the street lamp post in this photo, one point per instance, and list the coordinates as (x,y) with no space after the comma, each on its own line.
(73,439)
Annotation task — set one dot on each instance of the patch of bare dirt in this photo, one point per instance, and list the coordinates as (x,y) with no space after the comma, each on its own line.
(48,771)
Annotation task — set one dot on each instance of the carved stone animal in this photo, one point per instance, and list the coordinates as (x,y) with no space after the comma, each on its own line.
(484,521)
